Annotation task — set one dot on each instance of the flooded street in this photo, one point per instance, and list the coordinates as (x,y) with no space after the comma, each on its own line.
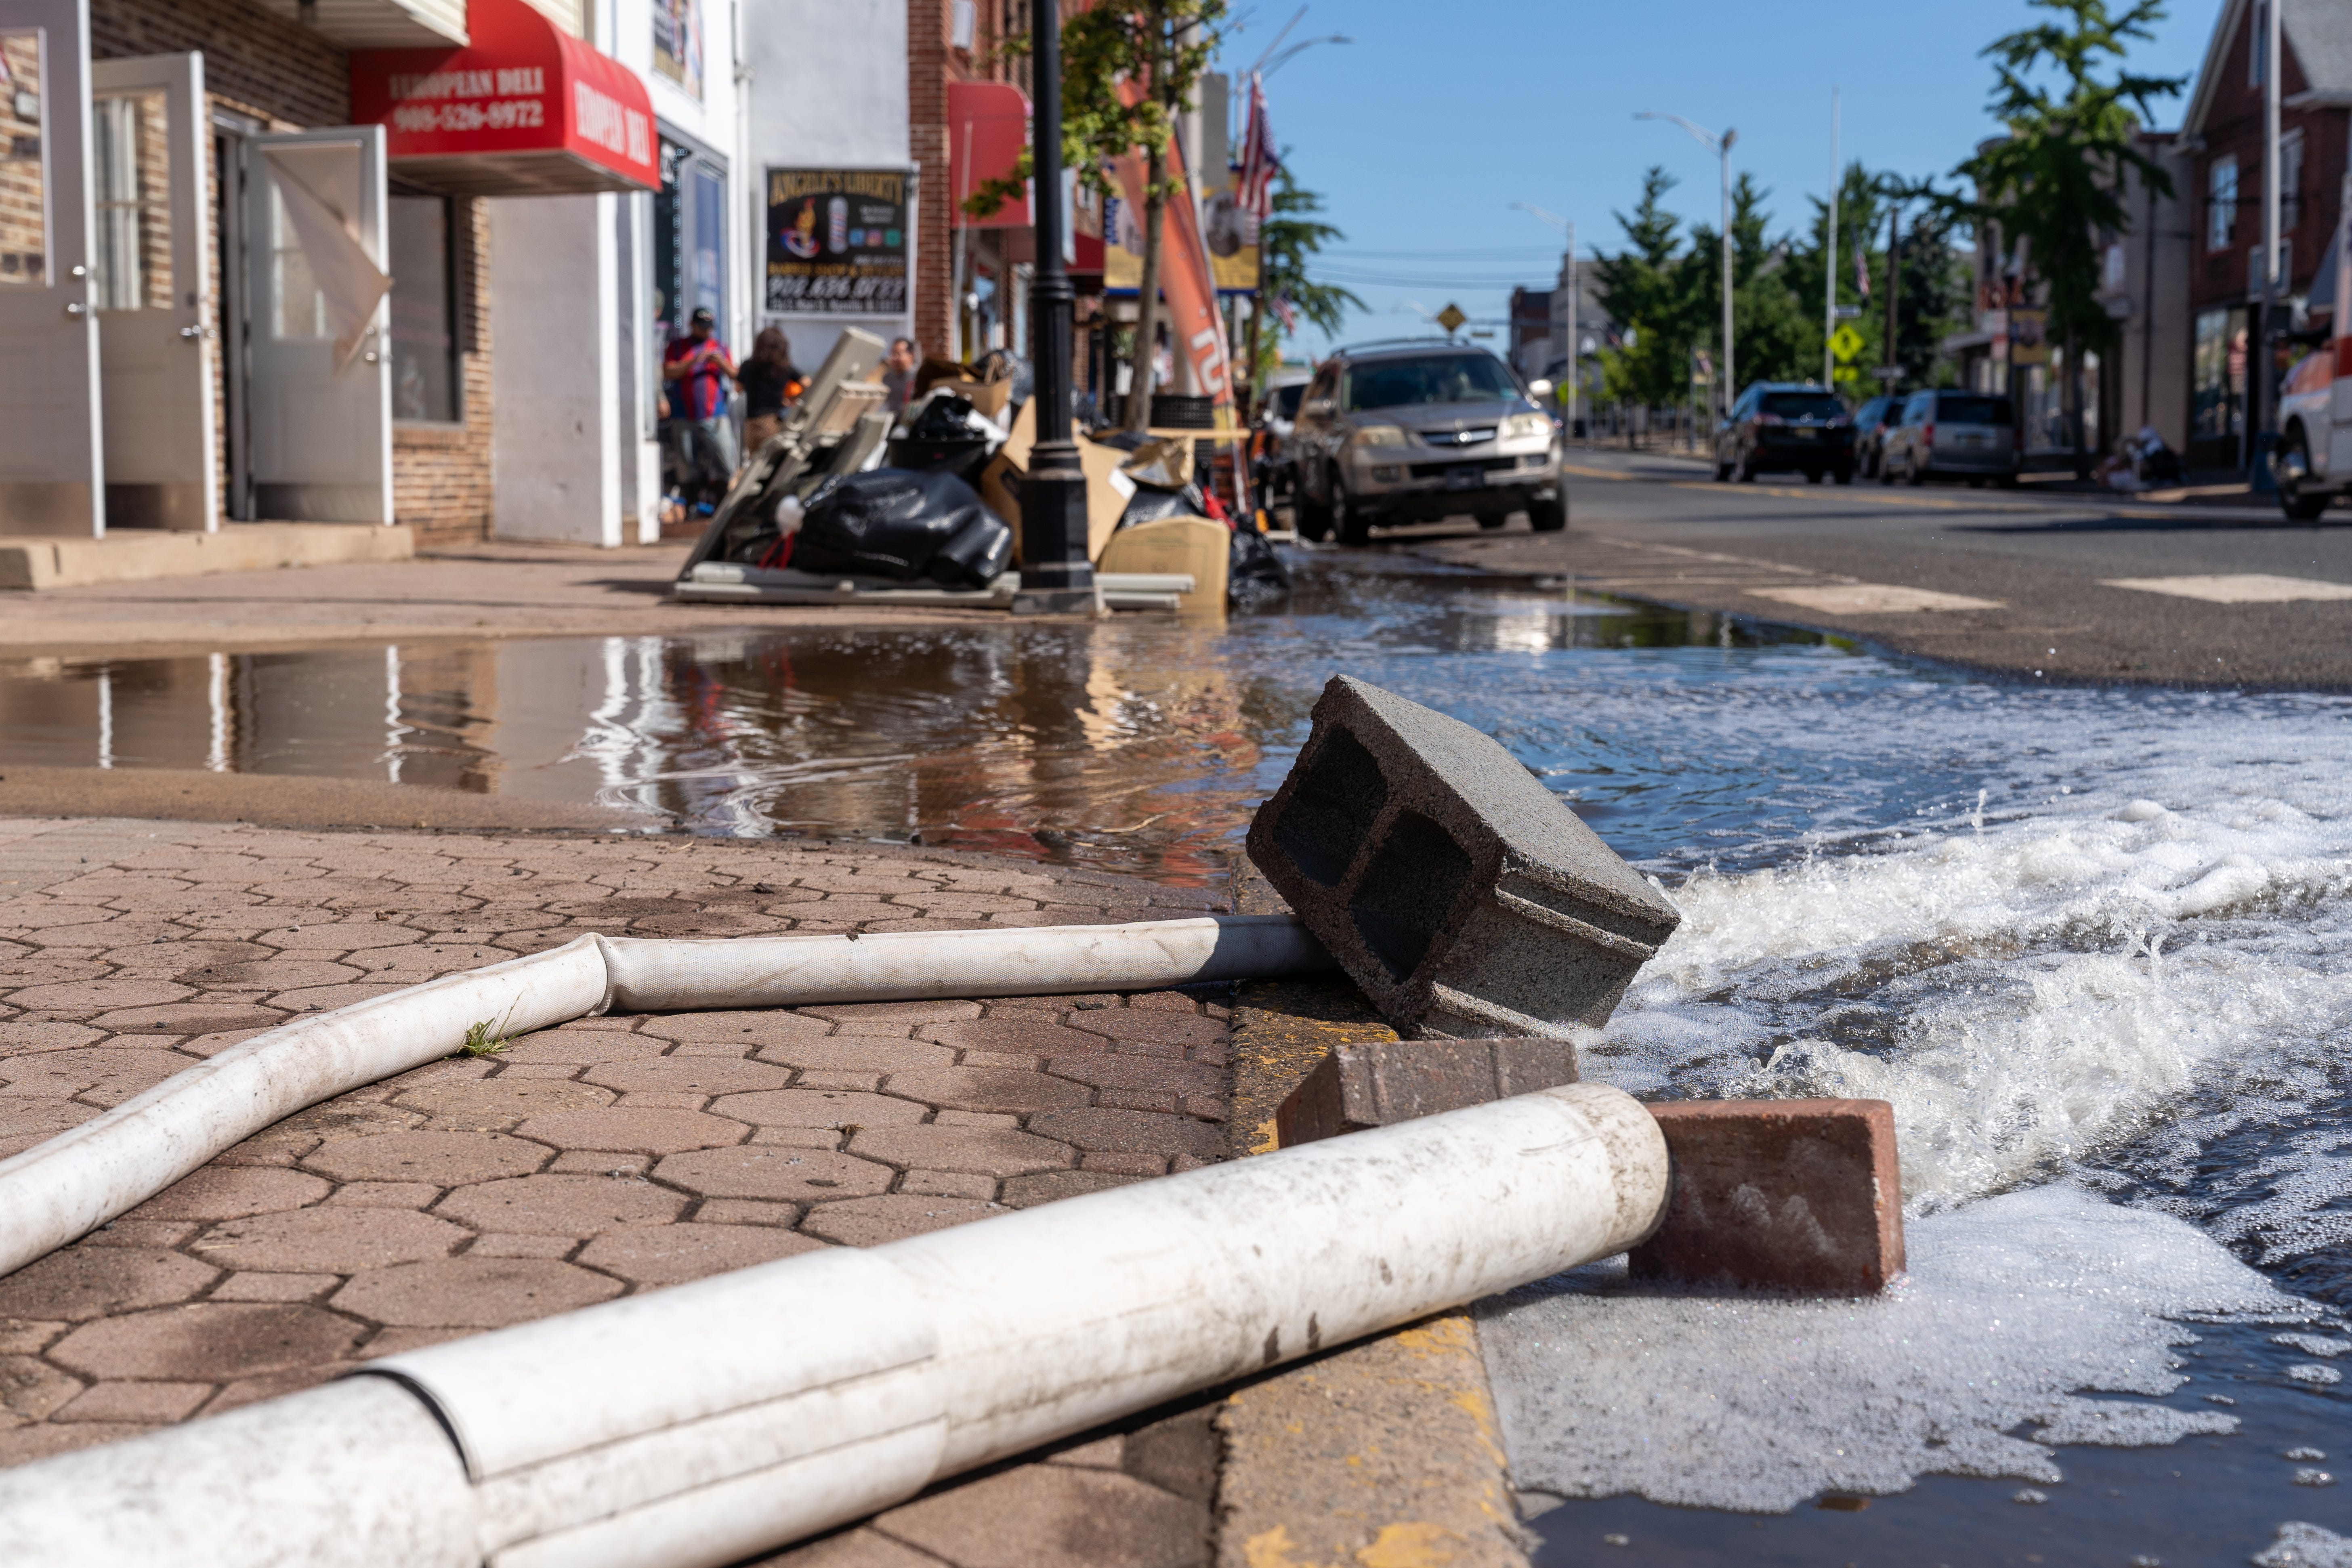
(2081,938)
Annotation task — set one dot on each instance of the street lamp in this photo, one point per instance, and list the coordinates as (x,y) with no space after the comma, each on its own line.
(1284,59)
(1057,576)
(1721,147)
(1568,276)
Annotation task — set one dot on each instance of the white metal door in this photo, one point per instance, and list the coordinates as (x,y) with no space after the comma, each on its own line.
(50,461)
(318,380)
(149,287)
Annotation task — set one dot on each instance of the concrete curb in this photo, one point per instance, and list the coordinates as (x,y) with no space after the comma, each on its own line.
(36,564)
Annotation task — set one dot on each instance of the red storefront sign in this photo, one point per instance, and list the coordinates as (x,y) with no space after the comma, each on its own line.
(988,129)
(524,109)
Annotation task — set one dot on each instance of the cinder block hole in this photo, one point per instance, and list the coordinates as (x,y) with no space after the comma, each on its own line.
(1406,892)
(1333,809)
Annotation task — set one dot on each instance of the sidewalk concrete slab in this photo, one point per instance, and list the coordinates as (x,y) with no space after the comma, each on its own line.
(38,566)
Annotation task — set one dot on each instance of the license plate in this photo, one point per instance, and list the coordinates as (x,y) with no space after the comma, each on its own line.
(1974,442)
(1468,477)
(1807,434)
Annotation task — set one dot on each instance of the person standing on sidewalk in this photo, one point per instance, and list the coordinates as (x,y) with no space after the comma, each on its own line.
(695,369)
(772,384)
(899,371)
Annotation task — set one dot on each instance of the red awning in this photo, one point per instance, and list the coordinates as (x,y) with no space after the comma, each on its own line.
(988,127)
(525,109)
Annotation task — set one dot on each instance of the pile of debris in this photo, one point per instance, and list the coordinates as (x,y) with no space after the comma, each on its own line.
(849,503)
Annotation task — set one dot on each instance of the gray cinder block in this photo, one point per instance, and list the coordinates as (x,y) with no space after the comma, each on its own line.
(1374,1084)
(1464,897)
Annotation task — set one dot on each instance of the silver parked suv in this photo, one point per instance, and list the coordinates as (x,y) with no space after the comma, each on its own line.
(1407,432)
(1954,435)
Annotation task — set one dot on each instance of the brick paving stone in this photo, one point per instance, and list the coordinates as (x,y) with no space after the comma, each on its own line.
(987,1089)
(444,1159)
(386,1194)
(1028,1033)
(637,1132)
(199,1017)
(79,1283)
(1050,1186)
(215,1342)
(1130,1132)
(1169,1031)
(30,1388)
(976,1151)
(521,1244)
(1115,1072)
(572,1206)
(857,1053)
(327,1240)
(941,1012)
(672,1254)
(947,1184)
(861,1547)
(775,1173)
(26,1122)
(817,1107)
(1126,1165)
(702,1077)
(151,1403)
(471,1292)
(1055,1516)
(497,1104)
(748,1211)
(569,1048)
(748,1030)
(273,1288)
(267,972)
(974,1119)
(870,1221)
(17,1038)
(96,995)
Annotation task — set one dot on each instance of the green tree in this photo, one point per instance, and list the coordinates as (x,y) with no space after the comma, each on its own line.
(1769,322)
(1647,289)
(1287,242)
(2053,185)
(1160,47)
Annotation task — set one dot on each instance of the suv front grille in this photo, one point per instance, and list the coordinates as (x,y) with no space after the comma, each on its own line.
(1457,437)
(1439,470)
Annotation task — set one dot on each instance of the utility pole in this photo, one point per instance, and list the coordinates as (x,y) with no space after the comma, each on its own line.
(1056,576)
(1721,147)
(2258,357)
(1575,355)
(1829,259)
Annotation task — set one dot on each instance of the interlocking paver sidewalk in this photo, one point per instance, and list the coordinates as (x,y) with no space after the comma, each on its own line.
(606,1157)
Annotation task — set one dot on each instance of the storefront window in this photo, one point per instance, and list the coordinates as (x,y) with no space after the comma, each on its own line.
(689,262)
(2218,375)
(130,157)
(24,205)
(678,42)
(423,311)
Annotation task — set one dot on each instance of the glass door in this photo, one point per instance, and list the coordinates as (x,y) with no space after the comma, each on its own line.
(50,453)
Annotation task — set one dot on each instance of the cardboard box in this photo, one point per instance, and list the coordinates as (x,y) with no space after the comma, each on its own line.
(1194,546)
(1107,489)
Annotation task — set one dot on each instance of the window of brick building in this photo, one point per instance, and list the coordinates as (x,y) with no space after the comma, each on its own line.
(2291,179)
(2220,202)
(425,384)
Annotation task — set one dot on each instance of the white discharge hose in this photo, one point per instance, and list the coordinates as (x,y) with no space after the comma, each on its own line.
(698,1425)
(57,1190)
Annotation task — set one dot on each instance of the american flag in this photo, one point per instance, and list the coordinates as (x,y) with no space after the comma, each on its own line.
(1860,272)
(1281,307)
(1254,190)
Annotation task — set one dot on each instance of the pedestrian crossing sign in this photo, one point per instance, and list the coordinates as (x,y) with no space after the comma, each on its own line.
(1845,342)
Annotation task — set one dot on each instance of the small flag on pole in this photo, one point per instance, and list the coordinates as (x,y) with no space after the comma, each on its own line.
(1254,190)
(1861,272)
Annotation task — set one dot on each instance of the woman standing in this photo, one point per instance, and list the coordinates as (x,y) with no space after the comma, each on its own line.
(770,385)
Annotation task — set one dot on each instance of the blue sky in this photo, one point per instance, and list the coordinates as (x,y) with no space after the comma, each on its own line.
(1422,131)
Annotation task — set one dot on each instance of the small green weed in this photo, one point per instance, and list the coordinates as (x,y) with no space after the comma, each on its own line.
(485,1038)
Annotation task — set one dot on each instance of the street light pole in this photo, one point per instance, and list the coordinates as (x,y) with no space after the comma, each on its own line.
(1056,576)
(2258,359)
(1721,147)
(1829,259)
(1567,228)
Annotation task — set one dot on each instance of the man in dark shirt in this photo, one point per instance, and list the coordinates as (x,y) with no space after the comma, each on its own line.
(899,371)
(695,369)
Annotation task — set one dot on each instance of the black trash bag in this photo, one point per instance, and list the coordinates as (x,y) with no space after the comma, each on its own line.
(1255,575)
(944,416)
(975,555)
(886,523)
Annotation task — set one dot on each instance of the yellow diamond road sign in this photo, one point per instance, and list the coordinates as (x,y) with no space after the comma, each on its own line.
(1451,317)
(1845,342)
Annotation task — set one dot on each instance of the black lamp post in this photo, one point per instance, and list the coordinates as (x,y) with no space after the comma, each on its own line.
(1055,576)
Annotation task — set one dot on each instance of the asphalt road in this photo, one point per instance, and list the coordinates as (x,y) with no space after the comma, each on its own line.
(2012,582)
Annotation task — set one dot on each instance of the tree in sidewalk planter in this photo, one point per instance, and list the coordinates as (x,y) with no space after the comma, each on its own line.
(1287,241)
(1162,47)
(2053,185)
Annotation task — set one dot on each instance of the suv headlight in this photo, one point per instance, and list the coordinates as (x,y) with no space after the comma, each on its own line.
(1518,426)
(1378,436)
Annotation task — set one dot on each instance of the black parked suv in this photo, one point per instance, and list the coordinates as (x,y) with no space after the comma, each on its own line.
(1788,425)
